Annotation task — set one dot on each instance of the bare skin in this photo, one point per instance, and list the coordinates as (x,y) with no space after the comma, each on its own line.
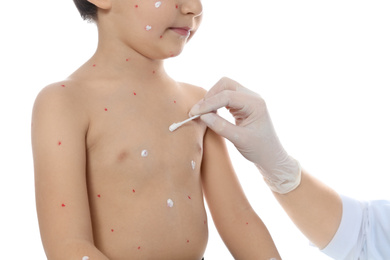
(94,187)
(315,208)
(112,182)
(127,193)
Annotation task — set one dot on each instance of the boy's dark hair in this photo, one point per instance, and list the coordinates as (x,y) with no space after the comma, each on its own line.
(88,11)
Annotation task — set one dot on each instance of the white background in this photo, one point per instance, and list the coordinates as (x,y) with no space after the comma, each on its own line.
(322,66)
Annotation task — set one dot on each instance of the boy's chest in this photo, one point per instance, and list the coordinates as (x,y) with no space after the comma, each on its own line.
(132,135)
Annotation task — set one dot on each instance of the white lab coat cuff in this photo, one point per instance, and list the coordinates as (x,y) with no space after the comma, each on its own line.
(347,234)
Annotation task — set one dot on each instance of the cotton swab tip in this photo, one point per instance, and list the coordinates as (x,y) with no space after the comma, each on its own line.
(175,126)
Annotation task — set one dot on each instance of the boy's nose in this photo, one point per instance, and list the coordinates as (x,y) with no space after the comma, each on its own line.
(193,7)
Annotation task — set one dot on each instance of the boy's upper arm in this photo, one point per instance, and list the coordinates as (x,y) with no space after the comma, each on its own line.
(59,126)
(241,229)
(222,189)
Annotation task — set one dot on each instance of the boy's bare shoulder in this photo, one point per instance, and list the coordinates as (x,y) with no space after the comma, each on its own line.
(59,93)
(61,98)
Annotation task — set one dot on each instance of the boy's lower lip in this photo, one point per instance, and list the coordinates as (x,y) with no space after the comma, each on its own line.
(181,31)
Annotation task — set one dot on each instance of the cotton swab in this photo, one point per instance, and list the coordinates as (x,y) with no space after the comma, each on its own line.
(175,126)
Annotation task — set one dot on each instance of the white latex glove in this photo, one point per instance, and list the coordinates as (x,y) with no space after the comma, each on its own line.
(253,135)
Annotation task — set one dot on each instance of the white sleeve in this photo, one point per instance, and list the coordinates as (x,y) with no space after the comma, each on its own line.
(364,231)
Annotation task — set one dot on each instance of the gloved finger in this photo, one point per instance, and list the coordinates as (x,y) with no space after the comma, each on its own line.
(223,127)
(226,98)
(227,84)
(223,84)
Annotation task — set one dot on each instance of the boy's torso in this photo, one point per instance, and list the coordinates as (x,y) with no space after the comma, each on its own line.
(144,182)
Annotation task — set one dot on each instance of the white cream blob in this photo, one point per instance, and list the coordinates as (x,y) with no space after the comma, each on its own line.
(157,4)
(148,27)
(193,165)
(170,203)
(85,258)
(144,153)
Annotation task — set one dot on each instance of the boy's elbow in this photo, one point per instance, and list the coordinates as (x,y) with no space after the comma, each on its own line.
(73,249)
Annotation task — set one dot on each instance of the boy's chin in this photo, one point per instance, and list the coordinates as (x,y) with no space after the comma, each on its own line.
(165,56)
(162,53)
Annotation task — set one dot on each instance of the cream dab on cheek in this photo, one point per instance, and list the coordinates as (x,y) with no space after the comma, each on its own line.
(170,203)
(148,27)
(85,258)
(157,4)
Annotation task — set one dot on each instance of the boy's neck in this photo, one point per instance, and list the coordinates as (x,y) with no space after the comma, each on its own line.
(123,62)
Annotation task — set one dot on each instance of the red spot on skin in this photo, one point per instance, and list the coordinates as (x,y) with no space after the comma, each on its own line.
(98,195)
(177,6)
(247,223)
(188,241)
(127,59)
(133,190)
(139,248)
(112,230)
(136,6)
(204,222)
(135,94)
(94,65)
(189,197)
(63,86)
(105,109)
(161,36)
(62,205)
(59,143)
(174,101)
(154,71)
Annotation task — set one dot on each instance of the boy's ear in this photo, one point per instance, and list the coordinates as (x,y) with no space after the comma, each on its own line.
(102,4)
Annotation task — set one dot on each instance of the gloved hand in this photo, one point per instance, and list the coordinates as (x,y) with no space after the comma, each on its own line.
(253,135)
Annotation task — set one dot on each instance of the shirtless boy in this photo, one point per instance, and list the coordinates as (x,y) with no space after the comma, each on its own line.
(112,182)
